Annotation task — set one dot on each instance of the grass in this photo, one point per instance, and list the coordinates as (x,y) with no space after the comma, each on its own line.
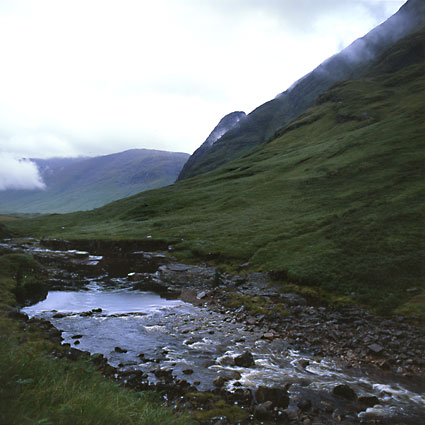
(334,202)
(255,305)
(262,123)
(213,406)
(414,307)
(37,388)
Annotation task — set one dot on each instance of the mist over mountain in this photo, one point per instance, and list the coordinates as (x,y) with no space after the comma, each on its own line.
(261,124)
(225,124)
(85,183)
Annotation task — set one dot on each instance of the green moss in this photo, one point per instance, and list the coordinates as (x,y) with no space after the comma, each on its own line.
(256,305)
(414,307)
(318,295)
(200,398)
(212,406)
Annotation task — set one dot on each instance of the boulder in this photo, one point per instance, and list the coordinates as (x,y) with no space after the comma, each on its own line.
(278,396)
(164,374)
(366,401)
(219,381)
(345,391)
(245,360)
(264,411)
(303,363)
(304,405)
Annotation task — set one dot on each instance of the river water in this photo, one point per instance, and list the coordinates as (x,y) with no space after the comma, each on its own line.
(136,329)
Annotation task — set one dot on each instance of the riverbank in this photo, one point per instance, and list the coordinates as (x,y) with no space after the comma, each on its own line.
(42,385)
(250,344)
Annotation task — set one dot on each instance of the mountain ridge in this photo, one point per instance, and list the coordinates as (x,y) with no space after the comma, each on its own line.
(84,183)
(266,119)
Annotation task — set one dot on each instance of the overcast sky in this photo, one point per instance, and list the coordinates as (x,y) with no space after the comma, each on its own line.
(94,77)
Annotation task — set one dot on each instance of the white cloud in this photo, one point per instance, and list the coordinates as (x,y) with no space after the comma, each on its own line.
(99,76)
(18,173)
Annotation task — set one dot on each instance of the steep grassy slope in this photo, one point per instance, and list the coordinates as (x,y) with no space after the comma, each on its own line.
(261,123)
(74,184)
(334,201)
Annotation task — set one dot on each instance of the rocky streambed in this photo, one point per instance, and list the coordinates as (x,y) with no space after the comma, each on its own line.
(217,348)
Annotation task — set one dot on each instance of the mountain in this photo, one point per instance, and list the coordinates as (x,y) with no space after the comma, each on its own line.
(225,124)
(85,183)
(261,124)
(332,206)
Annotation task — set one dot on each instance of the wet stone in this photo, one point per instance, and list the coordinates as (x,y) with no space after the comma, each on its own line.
(245,360)
(367,401)
(219,381)
(375,348)
(278,396)
(344,391)
(264,411)
(304,405)
(304,363)
(268,335)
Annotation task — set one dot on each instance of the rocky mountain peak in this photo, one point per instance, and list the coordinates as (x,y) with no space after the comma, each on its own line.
(225,124)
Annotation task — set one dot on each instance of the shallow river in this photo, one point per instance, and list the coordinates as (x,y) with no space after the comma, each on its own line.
(141,330)
(152,332)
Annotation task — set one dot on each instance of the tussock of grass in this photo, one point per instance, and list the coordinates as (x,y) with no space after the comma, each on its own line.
(213,406)
(414,307)
(255,305)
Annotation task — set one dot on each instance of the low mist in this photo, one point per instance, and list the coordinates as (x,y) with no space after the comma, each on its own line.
(19,174)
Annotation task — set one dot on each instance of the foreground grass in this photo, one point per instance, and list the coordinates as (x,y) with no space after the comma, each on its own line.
(39,389)
(334,201)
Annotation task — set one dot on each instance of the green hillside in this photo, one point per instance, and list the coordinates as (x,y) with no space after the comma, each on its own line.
(260,125)
(74,184)
(335,201)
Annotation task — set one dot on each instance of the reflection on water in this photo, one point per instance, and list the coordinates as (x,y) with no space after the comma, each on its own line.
(111,302)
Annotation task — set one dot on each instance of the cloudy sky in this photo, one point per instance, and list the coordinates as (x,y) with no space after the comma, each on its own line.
(90,77)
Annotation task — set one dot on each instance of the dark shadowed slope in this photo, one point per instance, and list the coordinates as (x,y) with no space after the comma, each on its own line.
(74,184)
(226,123)
(261,124)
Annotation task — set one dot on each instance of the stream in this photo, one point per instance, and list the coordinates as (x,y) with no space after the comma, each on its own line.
(139,329)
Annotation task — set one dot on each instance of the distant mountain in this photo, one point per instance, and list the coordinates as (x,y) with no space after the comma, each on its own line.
(261,124)
(83,183)
(226,123)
